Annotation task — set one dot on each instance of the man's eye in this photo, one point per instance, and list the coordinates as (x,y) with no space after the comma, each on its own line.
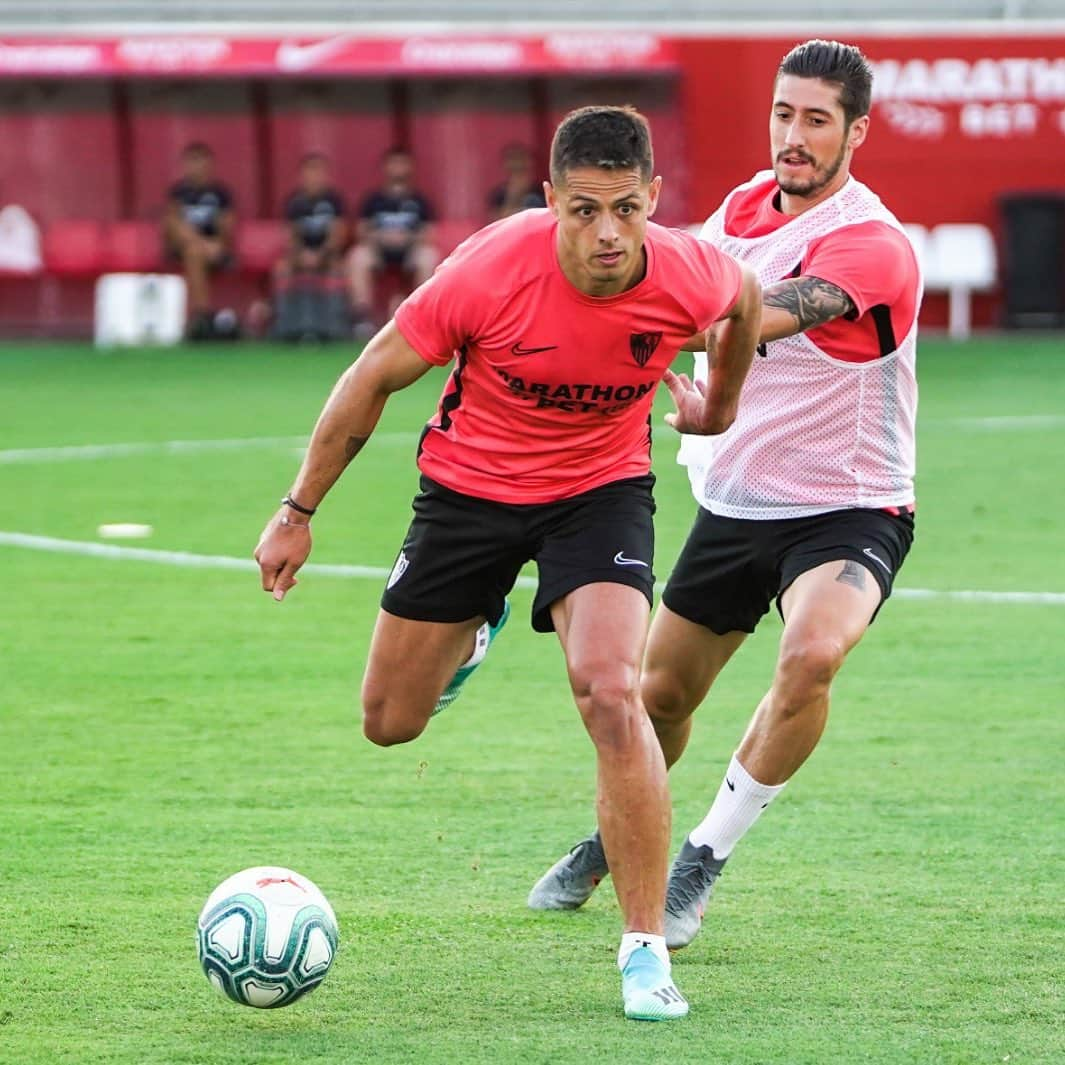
(626,209)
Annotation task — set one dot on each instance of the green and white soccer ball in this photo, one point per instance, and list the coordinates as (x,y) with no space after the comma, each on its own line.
(266,936)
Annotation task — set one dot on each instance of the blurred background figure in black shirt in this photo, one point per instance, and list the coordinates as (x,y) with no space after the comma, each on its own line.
(395,234)
(519,189)
(311,301)
(198,231)
(315,213)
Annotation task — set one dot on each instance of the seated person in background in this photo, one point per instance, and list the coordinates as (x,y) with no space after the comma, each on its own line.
(315,213)
(519,190)
(394,231)
(198,230)
(311,301)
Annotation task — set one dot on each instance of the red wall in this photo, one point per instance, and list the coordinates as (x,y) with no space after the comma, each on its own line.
(59,156)
(352,122)
(458,130)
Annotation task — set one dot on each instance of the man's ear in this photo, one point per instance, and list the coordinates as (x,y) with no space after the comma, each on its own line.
(654,190)
(857,133)
(551,197)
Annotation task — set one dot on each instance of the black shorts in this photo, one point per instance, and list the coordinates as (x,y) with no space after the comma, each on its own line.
(731,569)
(395,258)
(462,554)
(173,254)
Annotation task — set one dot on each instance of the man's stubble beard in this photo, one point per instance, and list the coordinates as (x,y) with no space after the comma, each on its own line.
(810,188)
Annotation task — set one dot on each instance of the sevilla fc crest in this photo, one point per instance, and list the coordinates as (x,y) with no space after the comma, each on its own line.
(643,345)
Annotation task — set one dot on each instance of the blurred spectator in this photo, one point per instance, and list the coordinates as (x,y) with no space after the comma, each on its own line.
(315,213)
(198,231)
(394,233)
(519,190)
(311,301)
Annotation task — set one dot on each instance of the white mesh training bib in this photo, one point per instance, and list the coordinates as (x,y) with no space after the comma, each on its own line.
(813,433)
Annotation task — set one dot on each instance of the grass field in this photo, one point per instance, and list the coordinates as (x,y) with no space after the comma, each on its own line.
(163,726)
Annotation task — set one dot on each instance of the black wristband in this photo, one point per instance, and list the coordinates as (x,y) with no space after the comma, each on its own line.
(288,501)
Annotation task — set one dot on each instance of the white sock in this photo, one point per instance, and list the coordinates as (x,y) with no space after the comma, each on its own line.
(630,941)
(739,803)
(480,647)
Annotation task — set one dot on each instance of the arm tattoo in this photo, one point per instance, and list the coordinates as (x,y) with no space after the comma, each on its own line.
(809,300)
(853,573)
(353,445)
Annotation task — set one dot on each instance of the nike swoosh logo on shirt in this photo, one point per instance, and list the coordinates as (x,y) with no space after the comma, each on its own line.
(293,56)
(621,560)
(517,349)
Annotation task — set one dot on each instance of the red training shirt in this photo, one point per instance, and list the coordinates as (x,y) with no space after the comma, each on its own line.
(843,258)
(552,389)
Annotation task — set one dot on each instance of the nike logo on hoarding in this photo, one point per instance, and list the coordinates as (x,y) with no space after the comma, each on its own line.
(292,56)
(621,560)
(517,349)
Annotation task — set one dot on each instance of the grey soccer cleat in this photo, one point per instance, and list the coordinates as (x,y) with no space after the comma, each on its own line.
(570,882)
(695,869)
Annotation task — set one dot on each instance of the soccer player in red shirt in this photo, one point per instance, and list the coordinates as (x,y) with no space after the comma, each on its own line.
(561,322)
(807,499)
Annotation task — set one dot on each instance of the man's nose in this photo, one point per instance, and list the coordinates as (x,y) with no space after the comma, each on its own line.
(607,230)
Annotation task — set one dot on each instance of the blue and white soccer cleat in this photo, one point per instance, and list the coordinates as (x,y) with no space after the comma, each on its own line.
(485,635)
(647,989)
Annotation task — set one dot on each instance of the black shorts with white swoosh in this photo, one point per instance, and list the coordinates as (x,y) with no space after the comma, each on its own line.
(461,555)
(731,569)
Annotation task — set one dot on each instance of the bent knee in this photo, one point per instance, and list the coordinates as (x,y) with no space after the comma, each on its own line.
(610,706)
(665,695)
(385,724)
(810,663)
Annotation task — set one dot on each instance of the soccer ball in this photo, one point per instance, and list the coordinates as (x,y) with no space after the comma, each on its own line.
(266,936)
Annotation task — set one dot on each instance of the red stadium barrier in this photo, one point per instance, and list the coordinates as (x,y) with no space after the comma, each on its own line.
(132,247)
(259,244)
(74,248)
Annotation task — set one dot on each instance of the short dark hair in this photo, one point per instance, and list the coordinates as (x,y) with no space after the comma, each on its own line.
(613,138)
(197,148)
(842,64)
(314,156)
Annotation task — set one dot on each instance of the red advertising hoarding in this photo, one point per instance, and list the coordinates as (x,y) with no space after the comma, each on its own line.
(336,55)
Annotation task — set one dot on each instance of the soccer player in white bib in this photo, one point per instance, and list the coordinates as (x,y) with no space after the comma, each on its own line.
(807,500)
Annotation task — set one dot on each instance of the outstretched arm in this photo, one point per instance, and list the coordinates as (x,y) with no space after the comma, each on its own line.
(793,306)
(711,409)
(800,303)
(350,414)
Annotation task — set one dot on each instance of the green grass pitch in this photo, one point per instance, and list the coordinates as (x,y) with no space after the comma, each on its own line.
(164,726)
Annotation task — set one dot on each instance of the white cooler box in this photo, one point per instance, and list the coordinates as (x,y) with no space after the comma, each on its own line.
(139,309)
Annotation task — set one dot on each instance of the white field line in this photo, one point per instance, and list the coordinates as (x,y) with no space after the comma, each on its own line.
(192,561)
(1001,423)
(77,452)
